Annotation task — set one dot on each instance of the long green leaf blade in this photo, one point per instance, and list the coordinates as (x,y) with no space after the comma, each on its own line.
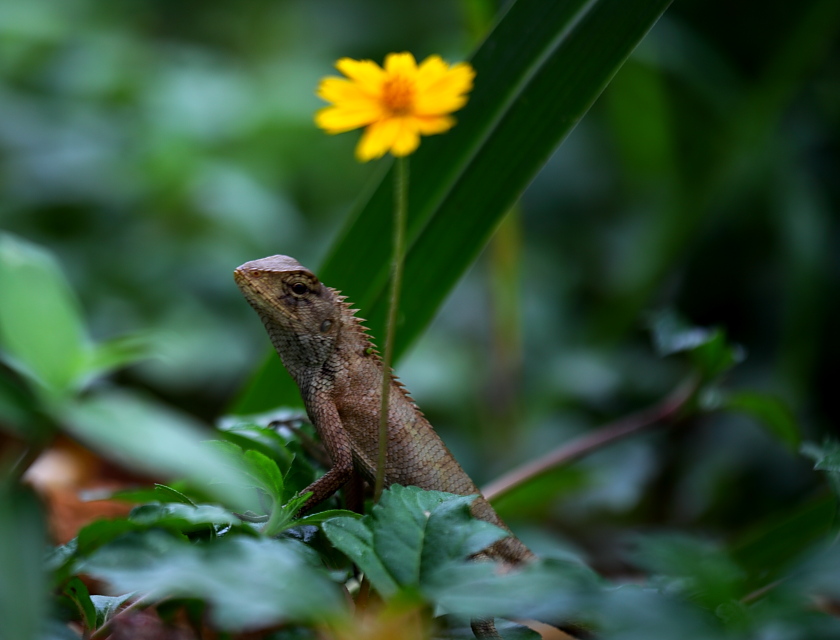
(538,72)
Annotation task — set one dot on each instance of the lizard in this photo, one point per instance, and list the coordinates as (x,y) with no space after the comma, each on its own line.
(332,358)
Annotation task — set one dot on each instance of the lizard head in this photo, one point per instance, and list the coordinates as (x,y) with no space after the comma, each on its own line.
(302,316)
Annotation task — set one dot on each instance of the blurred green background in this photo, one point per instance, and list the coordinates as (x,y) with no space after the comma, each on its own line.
(154,146)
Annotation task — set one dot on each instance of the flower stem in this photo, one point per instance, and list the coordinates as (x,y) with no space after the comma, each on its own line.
(671,410)
(400,211)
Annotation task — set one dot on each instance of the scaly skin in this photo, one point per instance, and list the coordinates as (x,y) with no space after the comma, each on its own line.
(331,358)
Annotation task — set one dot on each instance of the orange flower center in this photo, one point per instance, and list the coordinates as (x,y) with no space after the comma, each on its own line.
(398,95)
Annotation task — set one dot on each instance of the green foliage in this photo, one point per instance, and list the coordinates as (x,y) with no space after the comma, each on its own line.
(153,149)
(256,471)
(23,587)
(826,458)
(529,96)
(769,411)
(249,583)
(415,544)
(708,349)
(695,569)
(409,536)
(184,517)
(106,607)
(78,593)
(39,317)
(144,435)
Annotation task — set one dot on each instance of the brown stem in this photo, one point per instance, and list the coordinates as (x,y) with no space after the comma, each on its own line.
(661,414)
(760,592)
(400,213)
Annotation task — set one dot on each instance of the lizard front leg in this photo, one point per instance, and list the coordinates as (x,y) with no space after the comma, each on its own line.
(325,418)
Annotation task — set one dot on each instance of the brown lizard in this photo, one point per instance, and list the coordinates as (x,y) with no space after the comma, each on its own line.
(329,354)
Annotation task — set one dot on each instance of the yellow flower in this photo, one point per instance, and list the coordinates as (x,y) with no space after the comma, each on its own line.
(396,104)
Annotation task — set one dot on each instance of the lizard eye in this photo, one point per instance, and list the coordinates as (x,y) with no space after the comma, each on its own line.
(299,288)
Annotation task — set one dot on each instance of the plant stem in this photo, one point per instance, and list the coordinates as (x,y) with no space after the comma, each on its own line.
(278,517)
(664,413)
(400,212)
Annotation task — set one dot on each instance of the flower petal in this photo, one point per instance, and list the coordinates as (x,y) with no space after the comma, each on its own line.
(434,75)
(429,71)
(438,94)
(396,103)
(376,140)
(341,119)
(438,105)
(407,139)
(341,92)
(402,64)
(393,134)
(366,73)
(434,124)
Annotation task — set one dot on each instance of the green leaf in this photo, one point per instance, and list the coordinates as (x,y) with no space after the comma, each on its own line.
(635,613)
(418,531)
(542,590)
(156,493)
(409,535)
(826,458)
(254,469)
(672,334)
(18,410)
(323,516)
(818,572)
(148,437)
(59,560)
(119,352)
(769,411)
(695,568)
(245,432)
(183,517)
(767,549)
(249,583)
(265,469)
(265,440)
(23,581)
(107,606)
(283,516)
(100,532)
(708,349)
(165,493)
(79,594)
(41,329)
(300,473)
(716,356)
(42,332)
(261,472)
(355,540)
(529,93)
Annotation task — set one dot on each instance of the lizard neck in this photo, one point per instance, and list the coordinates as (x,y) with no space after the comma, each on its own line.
(290,346)
(315,369)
